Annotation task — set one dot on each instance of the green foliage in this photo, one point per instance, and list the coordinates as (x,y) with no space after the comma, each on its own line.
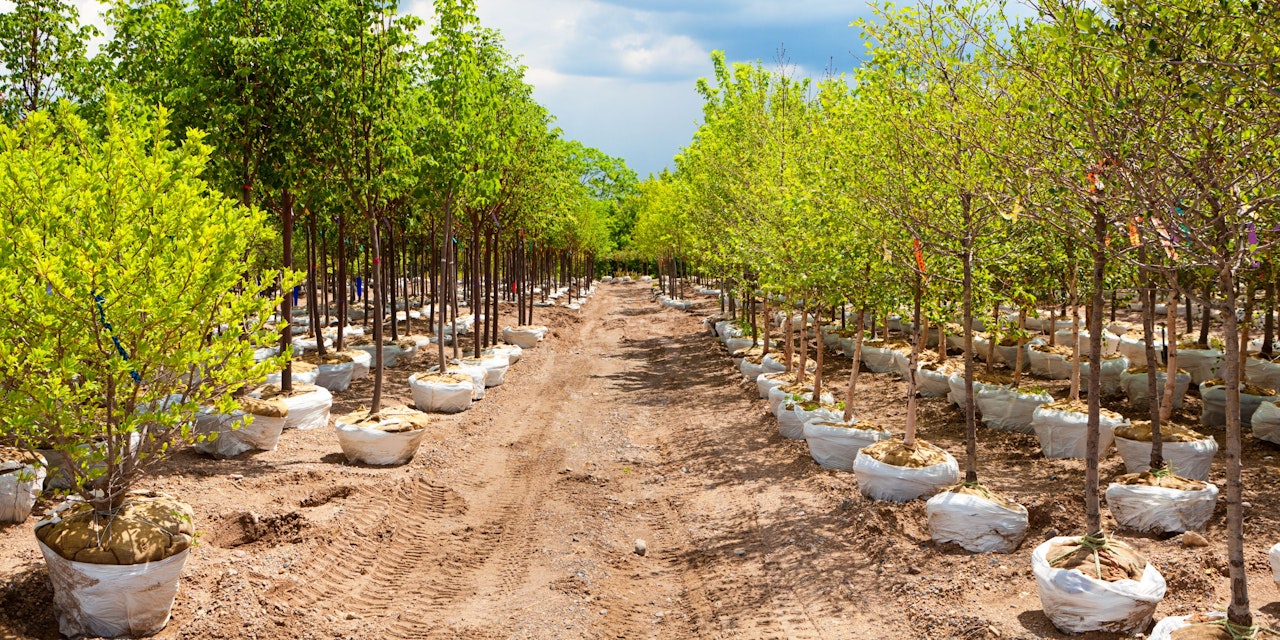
(121,280)
(42,57)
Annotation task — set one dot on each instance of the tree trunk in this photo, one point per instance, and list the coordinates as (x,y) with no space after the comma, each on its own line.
(1093,513)
(909,437)
(1238,612)
(375,405)
(313,297)
(339,342)
(286,305)
(1171,372)
(966,318)
(853,373)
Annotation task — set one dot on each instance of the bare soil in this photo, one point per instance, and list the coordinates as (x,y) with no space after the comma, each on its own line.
(519,517)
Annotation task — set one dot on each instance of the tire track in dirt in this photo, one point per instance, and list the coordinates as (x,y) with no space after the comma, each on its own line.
(441,561)
(749,596)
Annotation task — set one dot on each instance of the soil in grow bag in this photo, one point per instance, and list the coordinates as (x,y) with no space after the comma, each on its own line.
(1104,562)
(893,452)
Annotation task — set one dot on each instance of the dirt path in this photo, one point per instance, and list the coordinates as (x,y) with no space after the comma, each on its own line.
(518,518)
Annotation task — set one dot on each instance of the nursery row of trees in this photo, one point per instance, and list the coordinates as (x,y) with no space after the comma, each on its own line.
(159,198)
(975,161)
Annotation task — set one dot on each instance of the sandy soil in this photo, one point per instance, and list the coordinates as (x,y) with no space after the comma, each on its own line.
(519,517)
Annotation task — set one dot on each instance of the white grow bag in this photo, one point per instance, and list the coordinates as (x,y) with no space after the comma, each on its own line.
(737,345)
(1135,387)
(1160,509)
(1266,422)
(749,369)
(1076,603)
(335,377)
(1202,364)
(1110,341)
(297,377)
(1262,373)
(1213,412)
(792,417)
(764,383)
(880,481)
(932,384)
(495,369)
(308,410)
(777,395)
(1063,434)
(1049,365)
(361,363)
(835,447)
(955,386)
(1274,557)
(1004,409)
(1111,370)
(1165,628)
(1133,348)
(20,485)
(879,360)
(1191,460)
(303,345)
(477,374)
(375,447)
(976,524)
(390,353)
(261,434)
(524,338)
(511,351)
(770,364)
(113,601)
(441,397)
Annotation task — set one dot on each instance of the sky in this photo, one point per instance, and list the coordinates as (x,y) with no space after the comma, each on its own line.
(619,75)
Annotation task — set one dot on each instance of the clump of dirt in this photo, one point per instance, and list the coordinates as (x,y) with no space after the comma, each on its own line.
(1140,430)
(247,527)
(149,526)
(1097,557)
(894,452)
(325,496)
(1167,481)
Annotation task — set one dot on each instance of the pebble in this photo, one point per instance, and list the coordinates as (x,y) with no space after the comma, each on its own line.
(1192,540)
(604,612)
(1050,533)
(739,552)
(641,547)
(914,570)
(684,469)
